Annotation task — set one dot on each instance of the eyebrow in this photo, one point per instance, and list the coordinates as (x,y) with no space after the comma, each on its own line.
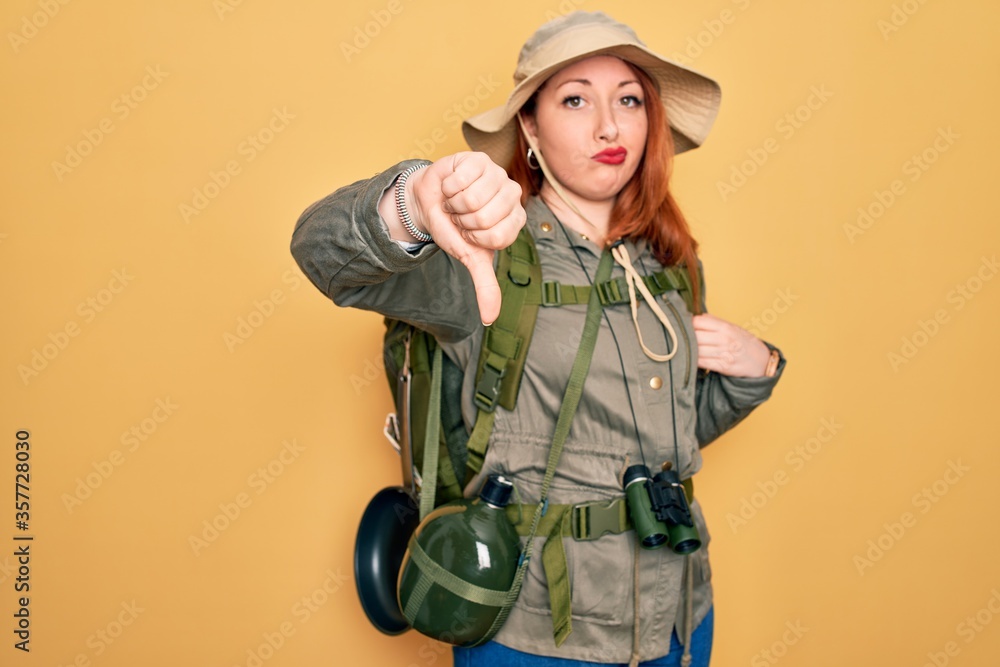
(587,82)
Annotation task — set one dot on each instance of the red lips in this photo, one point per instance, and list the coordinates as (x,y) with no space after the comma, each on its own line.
(611,156)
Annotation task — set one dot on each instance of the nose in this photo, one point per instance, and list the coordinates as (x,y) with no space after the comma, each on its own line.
(606,124)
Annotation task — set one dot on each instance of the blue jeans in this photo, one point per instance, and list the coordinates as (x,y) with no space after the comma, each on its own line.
(496,655)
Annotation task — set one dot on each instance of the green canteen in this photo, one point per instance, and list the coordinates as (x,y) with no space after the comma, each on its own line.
(459,567)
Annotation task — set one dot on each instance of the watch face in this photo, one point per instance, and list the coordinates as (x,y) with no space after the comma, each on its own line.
(772,364)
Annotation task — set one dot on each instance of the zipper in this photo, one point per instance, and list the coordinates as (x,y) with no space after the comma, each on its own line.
(687,341)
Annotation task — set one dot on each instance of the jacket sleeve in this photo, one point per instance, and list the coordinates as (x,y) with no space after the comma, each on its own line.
(343,246)
(723,401)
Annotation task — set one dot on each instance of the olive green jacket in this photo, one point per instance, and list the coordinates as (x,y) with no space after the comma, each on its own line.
(630,410)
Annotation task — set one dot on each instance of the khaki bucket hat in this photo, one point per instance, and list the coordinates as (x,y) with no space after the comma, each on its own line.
(691,99)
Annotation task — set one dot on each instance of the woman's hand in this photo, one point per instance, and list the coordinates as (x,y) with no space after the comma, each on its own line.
(726,348)
(471,208)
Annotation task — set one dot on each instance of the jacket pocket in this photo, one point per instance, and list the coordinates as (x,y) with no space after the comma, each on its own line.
(600,580)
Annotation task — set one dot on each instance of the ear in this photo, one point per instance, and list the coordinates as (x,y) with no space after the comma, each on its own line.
(530,127)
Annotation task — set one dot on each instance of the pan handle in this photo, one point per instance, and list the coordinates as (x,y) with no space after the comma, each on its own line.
(405,435)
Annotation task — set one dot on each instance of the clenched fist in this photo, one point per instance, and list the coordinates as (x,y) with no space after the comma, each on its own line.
(471,208)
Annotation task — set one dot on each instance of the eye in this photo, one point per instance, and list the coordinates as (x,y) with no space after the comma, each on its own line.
(573,102)
(631,101)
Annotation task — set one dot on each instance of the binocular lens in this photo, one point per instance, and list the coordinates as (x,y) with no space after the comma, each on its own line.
(684,539)
(654,541)
(659,510)
(652,532)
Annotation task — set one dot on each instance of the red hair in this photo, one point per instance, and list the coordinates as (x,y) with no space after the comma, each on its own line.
(644,209)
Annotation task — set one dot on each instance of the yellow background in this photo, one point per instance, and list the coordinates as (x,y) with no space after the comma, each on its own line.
(885,79)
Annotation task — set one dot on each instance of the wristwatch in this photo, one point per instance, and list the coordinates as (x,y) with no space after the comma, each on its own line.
(772,364)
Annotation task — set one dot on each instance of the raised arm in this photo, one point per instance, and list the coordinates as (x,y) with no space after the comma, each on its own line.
(349,243)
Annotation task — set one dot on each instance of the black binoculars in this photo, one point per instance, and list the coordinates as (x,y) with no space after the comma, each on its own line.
(659,510)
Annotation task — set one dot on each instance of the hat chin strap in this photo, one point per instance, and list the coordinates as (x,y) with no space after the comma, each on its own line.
(556,185)
(620,253)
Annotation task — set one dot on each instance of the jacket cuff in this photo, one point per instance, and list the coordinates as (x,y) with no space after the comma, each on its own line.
(746,392)
(396,256)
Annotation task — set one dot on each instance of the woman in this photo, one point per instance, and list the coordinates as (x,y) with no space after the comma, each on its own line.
(585,143)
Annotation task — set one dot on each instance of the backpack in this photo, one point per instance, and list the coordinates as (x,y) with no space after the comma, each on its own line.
(501,360)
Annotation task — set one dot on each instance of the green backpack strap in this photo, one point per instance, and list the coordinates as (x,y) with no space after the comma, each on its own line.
(506,341)
(615,290)
(424,349)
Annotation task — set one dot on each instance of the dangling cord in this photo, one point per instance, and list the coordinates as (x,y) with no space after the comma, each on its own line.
(621,256)
(688,571)
(634,662)
(634,280)
(688,611)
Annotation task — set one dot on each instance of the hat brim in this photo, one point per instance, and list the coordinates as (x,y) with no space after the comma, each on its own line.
(691,100)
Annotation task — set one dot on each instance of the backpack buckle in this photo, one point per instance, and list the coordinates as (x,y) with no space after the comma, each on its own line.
(592,520)
(551,293)
(488,388)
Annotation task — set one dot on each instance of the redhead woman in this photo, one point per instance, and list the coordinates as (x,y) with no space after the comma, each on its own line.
(580,156)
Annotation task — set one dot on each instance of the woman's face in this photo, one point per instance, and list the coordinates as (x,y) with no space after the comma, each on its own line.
(590,126)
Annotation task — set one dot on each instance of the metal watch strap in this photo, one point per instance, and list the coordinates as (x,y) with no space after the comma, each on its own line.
(404,215)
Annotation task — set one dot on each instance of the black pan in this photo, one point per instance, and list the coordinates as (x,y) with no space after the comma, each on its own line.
(386,526)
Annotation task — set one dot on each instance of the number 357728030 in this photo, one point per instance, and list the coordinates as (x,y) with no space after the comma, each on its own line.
(22,480)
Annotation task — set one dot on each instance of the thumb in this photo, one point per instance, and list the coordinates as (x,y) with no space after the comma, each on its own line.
(479,262)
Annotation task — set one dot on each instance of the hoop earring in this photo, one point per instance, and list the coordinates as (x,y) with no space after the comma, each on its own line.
(531,158)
